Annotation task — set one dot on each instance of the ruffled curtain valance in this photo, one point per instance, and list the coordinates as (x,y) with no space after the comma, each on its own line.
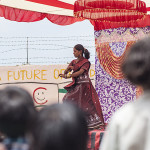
(110,10)
(105,14)
(62,20)
(21,15)
(143,22)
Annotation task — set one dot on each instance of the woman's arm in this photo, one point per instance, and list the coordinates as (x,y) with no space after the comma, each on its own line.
(72,75)
(69,68)
(77,73)
(83,68)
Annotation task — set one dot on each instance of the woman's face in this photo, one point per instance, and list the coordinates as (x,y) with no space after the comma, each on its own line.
(76,53)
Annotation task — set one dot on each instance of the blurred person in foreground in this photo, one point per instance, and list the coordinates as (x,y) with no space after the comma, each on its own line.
(60,127)
(129,128)
(17,115)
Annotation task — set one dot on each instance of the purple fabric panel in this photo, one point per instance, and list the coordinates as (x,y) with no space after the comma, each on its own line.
(109,31)
(113,93)
(122,30)
(118,47)
(146,29)
(97,33)
(134,30)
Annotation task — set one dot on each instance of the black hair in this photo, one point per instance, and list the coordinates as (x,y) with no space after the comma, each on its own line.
(136,66)
(17,111)
(80,47)
(60,127)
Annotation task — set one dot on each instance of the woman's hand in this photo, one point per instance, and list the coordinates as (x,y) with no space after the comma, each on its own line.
(61,75)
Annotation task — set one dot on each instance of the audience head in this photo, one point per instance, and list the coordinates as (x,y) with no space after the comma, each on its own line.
(17,112)
(60,127)
(136,66)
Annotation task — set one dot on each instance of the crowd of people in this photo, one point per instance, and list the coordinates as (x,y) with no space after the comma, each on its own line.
(65,126)
(57,126)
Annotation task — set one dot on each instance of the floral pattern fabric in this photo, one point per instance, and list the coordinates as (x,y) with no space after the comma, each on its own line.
(113,92)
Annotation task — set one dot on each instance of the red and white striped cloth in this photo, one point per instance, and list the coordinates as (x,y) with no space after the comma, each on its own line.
(59,7)
(57,11)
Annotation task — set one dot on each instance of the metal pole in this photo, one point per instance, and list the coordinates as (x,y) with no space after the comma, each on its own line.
(27,51)
(58,92)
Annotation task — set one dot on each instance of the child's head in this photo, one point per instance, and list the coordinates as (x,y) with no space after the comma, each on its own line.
(16,111)
(136,66)
(60,127)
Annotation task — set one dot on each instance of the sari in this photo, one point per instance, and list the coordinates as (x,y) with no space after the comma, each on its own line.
(82,93)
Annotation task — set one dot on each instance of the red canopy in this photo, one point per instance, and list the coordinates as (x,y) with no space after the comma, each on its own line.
(21,15)
(113,13)
(102,13)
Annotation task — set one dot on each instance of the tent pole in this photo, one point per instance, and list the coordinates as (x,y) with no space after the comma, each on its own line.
(27,51)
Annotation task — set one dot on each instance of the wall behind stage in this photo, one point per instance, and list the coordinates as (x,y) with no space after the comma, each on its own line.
(42,82)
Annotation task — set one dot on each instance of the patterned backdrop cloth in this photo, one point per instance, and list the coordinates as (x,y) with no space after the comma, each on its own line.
(111,45)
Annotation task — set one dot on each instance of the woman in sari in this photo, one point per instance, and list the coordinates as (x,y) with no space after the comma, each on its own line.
(81,91)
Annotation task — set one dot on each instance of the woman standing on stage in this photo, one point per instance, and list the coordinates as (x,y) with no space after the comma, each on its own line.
(81,90)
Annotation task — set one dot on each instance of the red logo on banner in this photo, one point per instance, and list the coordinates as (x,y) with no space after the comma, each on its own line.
(54,3)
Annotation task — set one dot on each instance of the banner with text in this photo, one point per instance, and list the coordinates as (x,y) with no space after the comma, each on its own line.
(42,82)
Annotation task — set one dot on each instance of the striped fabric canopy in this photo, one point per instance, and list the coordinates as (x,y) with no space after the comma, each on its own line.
(60,12)
(59,7)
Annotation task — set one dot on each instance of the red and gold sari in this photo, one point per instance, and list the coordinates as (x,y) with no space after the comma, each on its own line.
(82,93)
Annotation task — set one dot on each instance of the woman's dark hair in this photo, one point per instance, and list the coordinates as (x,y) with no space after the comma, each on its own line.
(80,47)
(60,127)
(17,112)
(136,66)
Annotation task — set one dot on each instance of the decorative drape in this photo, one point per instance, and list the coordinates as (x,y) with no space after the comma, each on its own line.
(143,22)
(113,14)
(111,45)
(110,10)
(21,15)
(108,5)
(105,14)
(109,61)
(62,20)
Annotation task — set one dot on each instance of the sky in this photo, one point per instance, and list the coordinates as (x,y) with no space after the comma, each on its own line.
(42,42)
